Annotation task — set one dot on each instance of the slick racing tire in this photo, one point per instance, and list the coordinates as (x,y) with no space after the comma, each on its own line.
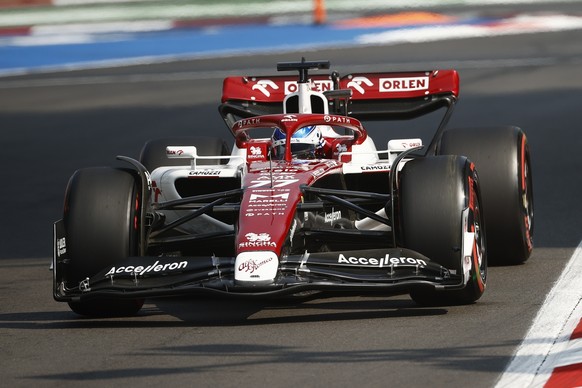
(153,153)
(501,156)
(102,222)
(439,210)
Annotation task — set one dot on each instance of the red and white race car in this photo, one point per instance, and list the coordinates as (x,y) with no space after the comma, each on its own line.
(304,201)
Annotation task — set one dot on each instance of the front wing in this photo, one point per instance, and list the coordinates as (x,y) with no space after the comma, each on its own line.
(390,270)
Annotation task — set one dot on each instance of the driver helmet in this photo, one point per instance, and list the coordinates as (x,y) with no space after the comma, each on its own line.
(306,143)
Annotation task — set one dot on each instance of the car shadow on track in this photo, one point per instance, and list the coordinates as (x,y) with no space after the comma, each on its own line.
(311,309)
(188,311)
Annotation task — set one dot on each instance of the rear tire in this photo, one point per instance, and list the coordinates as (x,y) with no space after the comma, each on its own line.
(102,223)
(438,204)
(502,158)
(153,153)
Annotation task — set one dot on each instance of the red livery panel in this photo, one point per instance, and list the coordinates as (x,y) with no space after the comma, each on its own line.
(272,192)
(269,89)
(367,86)
(364,86)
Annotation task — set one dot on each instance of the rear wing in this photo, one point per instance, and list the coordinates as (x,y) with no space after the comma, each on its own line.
(364,96)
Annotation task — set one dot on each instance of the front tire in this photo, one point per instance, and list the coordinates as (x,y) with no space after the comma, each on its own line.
(439,210)
(101,219)
(502,157)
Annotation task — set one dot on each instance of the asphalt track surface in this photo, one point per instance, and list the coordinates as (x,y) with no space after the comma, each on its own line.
(53,124)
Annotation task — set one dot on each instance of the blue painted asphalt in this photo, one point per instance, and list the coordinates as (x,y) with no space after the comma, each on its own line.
(23,54)
(16,53)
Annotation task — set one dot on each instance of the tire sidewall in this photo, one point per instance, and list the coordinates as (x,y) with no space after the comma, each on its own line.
(502,159)
(100,218)
(435,195)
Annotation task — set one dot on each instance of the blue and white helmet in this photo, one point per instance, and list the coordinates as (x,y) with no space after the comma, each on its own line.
(304,143)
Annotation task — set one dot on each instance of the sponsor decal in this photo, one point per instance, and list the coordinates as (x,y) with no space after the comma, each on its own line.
(256,266)
(61,246)
(404,145)
(264,214)
(333,216)
(289,118)
(336,119)
(403,84)
(332,163)
(196,173)
(381,262)
(267,204)
(251,121)
(285,170)
(277,182)
(376,167)
(277,174)
(269,190)
(356,84)
(252,265)
(264,85)
(411,144)
(256,152)
(318,172)
(316,86)
(341,148)
(181,152)
(396,145)
(255,240)
(258,237)
(283,197)
(170,151)
(141,270)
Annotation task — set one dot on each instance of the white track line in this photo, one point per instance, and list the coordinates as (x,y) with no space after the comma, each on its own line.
(520,24)
(547,341)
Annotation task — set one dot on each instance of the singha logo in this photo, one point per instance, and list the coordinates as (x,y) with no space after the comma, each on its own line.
(258,237)
(341,148)
(256,151)
(257,240)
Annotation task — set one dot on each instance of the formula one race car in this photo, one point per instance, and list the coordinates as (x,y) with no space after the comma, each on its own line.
(304,201)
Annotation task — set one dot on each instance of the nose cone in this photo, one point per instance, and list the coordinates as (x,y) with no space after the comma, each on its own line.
(256,268)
